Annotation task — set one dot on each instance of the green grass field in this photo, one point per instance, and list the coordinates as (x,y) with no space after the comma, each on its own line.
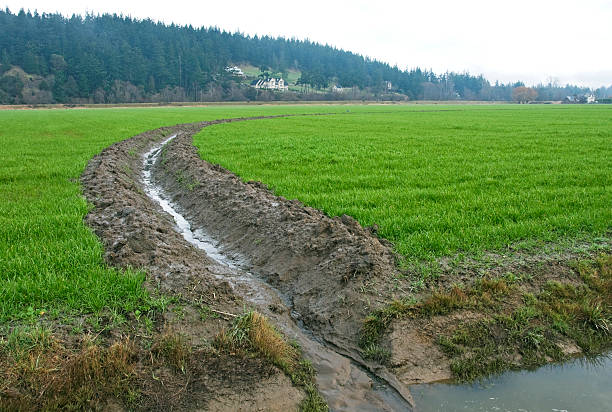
(49,260)
(438,180)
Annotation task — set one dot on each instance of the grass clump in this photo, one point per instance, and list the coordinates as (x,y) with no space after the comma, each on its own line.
(597,274)
(442,303)
(595,315)
(23,339)
(485,293)
(39,373)
(252,332)
(173,348)
(376,323)
(376,353)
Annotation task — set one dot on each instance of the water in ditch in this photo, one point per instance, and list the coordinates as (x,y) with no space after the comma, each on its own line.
(344,384)
(577,385)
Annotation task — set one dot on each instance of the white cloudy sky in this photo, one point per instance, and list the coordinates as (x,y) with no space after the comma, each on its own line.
(530,40)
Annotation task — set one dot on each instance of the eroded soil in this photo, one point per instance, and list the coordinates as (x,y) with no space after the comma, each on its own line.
(137,234)
(319,265)
(327,268)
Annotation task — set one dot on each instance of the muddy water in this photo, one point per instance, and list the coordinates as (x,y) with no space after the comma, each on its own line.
(343,383)
(578,385)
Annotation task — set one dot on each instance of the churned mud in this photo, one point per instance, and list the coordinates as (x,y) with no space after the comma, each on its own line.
(315,277)
(137,234)
(328,269)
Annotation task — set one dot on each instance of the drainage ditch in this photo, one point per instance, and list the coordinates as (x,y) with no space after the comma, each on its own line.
(346,385)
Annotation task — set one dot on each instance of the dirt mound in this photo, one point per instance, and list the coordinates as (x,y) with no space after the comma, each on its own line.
(327,268)
(137,234)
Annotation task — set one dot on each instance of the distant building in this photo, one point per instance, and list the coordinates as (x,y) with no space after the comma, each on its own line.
(388,85)
(235,70)
(270,84)
(580,99)
(337,89)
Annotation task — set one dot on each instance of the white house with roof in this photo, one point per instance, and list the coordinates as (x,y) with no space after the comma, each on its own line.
(270,84)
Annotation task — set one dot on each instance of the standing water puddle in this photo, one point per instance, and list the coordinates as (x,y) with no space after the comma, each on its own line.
(344,385)
(578,385)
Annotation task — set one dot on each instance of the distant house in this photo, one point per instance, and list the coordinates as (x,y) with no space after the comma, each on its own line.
(337,89)
(388,85)
(270,84)
(235,70)
(580,99)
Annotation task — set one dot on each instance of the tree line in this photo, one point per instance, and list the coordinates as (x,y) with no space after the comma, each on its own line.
(49,58)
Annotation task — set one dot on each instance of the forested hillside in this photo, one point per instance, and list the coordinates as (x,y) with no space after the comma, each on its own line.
(49,58)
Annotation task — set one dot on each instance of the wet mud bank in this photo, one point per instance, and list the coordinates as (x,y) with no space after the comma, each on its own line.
(136,233)
(326,268)
(315,277)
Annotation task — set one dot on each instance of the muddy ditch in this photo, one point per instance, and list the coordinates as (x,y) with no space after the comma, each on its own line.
(137,234)
(315,277)
(319,264)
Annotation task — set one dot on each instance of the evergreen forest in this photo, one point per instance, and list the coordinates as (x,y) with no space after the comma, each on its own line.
(49,58)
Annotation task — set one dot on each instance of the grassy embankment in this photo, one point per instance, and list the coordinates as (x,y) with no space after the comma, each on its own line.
(474,187)
(52,274)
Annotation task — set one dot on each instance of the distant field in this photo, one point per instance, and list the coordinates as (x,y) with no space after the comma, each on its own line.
(49,260)
(438,180)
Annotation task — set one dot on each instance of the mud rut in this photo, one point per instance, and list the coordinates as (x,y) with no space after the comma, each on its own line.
(314,276)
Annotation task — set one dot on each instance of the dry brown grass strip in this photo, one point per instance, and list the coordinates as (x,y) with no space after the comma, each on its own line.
(55,378)
(270,343)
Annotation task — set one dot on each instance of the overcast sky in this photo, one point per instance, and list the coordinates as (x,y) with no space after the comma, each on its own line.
(530,40)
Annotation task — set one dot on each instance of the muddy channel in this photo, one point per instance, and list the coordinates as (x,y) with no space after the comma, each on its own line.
(159,207)
(345,384)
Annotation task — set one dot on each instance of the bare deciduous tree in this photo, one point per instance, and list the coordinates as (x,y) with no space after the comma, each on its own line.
(524,94)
